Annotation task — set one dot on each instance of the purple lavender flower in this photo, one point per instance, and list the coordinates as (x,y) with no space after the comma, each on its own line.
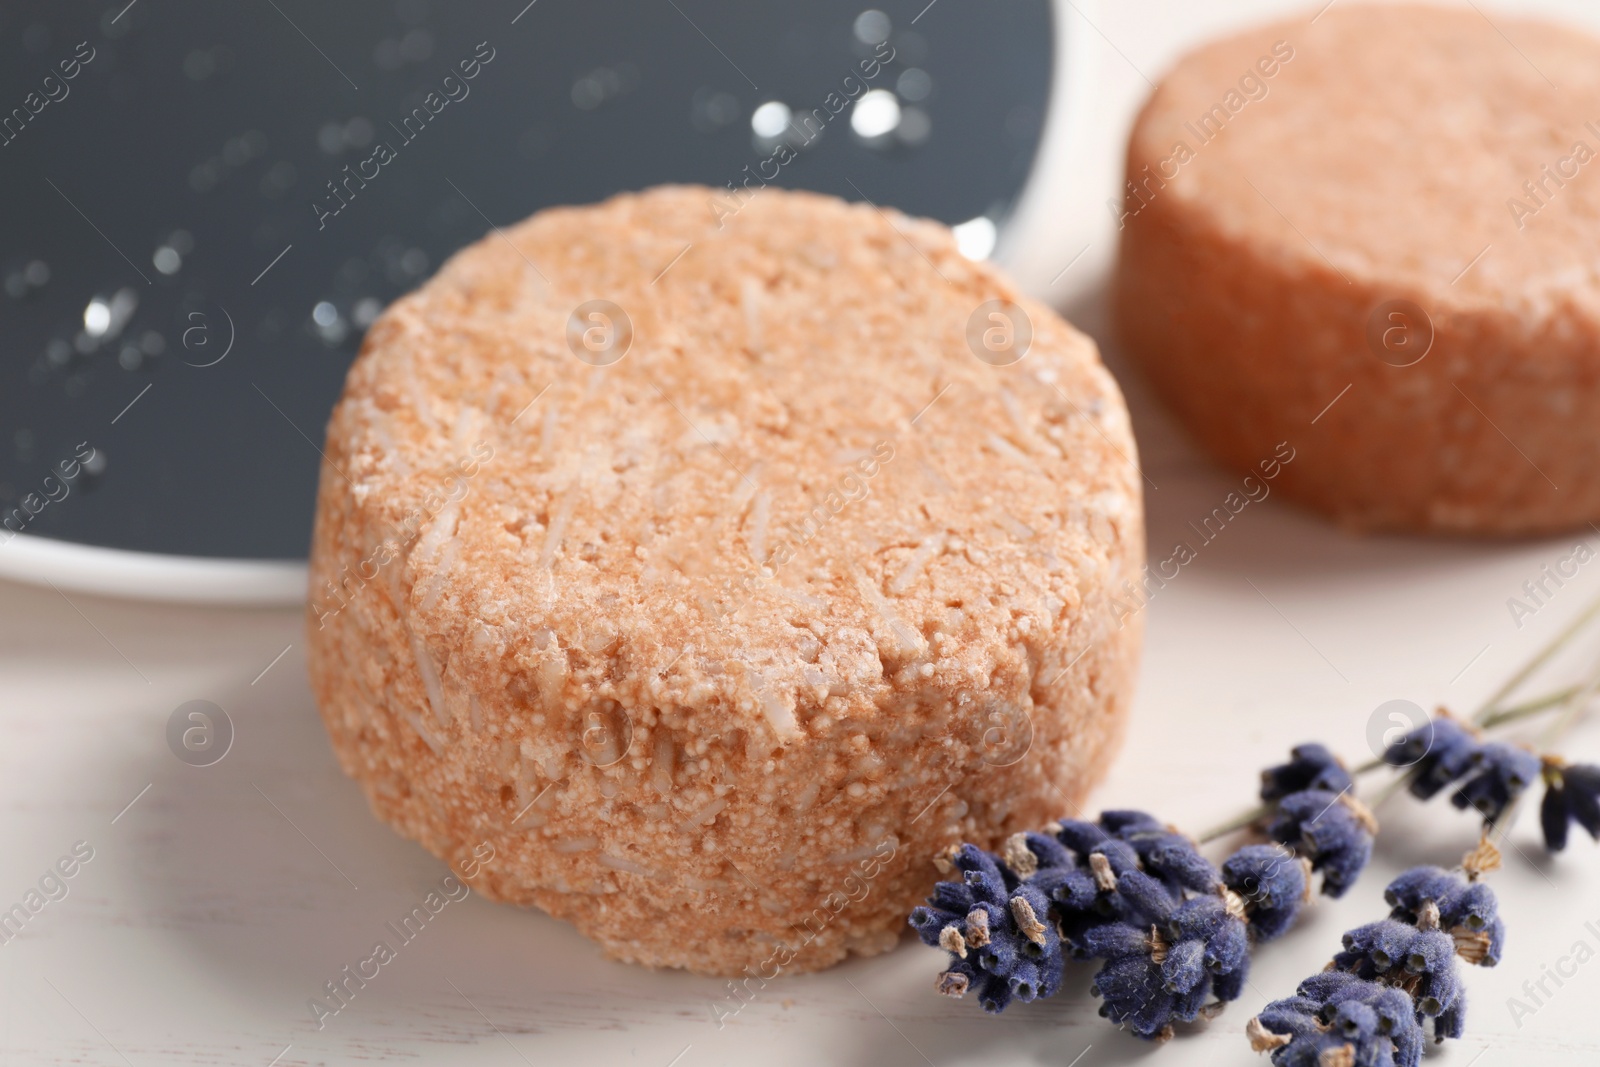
(1572,794)
(1273,883)
(1153,979)
(1440,752)
(1343,1017)
(1165,963)
(1375,949)
(1502,772)
(1127,890)
(1310,766)
(1121,822)
(1397,953)
(1408,892)
(997,929)
(1467,910)
(1174,859)
(1373,1004)
(1132,995)
(1333,830)
(1157,968)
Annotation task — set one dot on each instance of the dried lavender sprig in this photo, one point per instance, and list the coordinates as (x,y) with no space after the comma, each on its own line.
(1334,1018)
(1149,980)
(1393,980)
(1253,816)
(1489,715)
(1335,831)
(1171,929)
(1489,777)
(1309,806)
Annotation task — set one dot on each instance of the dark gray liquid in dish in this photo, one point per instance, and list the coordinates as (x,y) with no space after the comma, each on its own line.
(207,204)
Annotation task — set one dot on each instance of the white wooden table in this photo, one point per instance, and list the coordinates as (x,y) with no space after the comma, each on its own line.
(220,899)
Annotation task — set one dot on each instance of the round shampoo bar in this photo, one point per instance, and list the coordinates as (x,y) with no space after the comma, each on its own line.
(1372,235)
(698,569)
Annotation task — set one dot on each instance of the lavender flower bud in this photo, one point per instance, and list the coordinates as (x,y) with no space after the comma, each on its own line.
(999,957)
(1355,1022)
(1310,766)
(1504,772)
(1396,1014)
(1145,897)
(1227,988)
(986,889)
(1184,967)
(1583,783)
(1123,822)
(1175,859)
(1030,913)
(1116,940)
(1341,868)
(1440,992)
(1572,794)
(1072,891)
(1452,1021)
(1334,830)
(1468,904)
(1228,949)
(1119,854)
(995,995)
(1270,923)
(1049,853)
(952,896)
(1152,1020)
(1380,944)
(1440,752)
(1124,985)
(1268,876)
(1186,1006)
(1408,892)
(1555,816)
(983,873)
(1272,883)
(983,920)
(1429,952)
(1081,837)
(1295,1016)
(1052,969)
(928,924)
(1197,917)
(1025,981)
